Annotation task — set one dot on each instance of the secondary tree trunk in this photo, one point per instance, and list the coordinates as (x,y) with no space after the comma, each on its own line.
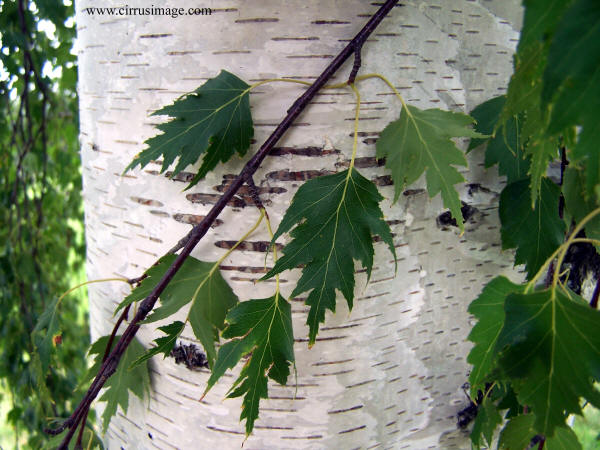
(390,373)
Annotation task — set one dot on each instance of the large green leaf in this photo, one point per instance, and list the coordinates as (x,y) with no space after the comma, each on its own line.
(574,54)
(197,282)
(125,378)
(488,308)
(214,121)
(572,79)
(420,141)
(335,219)
(262,328)
(504,147)
(535,233)
(519,431)
(551,352)
(540,20)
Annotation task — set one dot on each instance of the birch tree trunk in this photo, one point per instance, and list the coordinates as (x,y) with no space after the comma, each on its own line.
(388,374)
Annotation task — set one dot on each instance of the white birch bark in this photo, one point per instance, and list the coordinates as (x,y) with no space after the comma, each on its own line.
(388,374)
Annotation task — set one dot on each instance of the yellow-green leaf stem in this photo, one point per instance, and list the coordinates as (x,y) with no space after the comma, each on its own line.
(570,241)
(274,254)
(561,252)
(85,283)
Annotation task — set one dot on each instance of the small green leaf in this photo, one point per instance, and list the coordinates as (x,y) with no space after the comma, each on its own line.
(574,54)
(214,121)
(125,378)
(587,155)
(197,282)
(420,141)
(551,352)
(164,344)
(535,233)
(540,20)
(487,420)
(488,308)
(504,147)
(262,328)
(517,433)
(335,219)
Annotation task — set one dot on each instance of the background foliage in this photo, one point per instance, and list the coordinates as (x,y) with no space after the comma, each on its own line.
(41,237)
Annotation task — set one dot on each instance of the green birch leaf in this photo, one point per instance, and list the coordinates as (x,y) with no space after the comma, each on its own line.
(564,439)
(574,57)
(263,329)
(504,147)
(47,327)
(124,380)
(488,308)
(164,344)
(535,233)
(519,431)
(551,352)
(197,282)
(420,141)
(540,20)
(525,87)
(587,154)
(541,149)
(145,287)
(335,219)
(487,420)
(213,122)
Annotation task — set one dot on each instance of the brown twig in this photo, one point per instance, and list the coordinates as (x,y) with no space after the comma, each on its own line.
(110,365)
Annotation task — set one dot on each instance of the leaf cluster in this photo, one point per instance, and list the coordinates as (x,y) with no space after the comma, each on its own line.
(542,342)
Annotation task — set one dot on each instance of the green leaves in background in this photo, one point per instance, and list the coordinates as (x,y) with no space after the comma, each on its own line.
(420,141)
(488,309)
(262,329)
(125,379)
(47,327)
(197,282)
(572,83)
(535,233)
(504,147)
(551,351)
(213,121)
(573,65)
(336,218)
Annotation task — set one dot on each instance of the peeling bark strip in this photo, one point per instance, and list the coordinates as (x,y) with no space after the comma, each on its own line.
(110,364)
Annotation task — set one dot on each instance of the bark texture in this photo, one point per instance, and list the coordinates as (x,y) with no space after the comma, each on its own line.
(389,373)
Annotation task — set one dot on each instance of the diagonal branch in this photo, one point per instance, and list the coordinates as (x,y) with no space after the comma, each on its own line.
(110,364)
